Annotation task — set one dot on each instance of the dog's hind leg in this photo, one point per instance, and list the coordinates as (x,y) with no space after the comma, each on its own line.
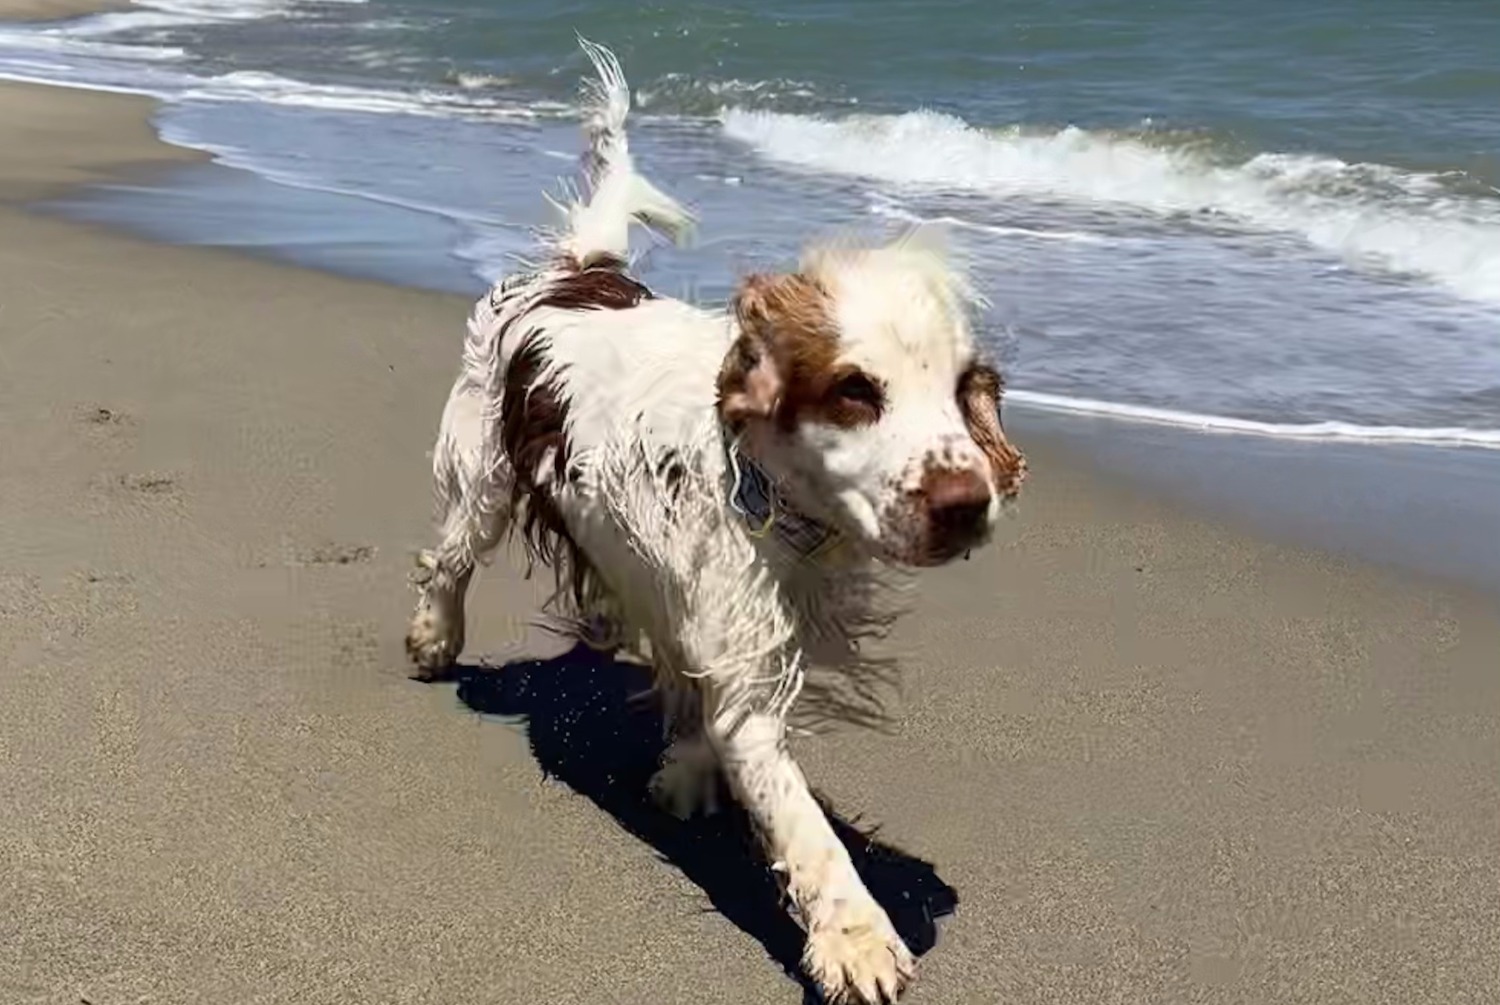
(688,781)
(473,498)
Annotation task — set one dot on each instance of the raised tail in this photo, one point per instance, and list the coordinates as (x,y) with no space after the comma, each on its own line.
(598,223)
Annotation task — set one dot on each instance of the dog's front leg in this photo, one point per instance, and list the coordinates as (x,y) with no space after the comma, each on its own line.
(852,950)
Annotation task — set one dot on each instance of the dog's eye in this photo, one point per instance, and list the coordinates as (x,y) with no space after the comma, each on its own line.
(860,390)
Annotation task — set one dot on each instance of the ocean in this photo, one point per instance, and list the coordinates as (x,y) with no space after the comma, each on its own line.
(1278,219)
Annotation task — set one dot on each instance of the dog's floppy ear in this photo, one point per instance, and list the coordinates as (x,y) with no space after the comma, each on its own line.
(749,382)
(776,314)
(979,400)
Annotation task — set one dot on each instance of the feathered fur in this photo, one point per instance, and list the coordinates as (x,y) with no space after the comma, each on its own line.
(617,194)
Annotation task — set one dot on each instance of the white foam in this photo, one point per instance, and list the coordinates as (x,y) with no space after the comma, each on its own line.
(478,81)
(51,41)
(79,37)
(199,11)
(709,95)
(43,76)
(159,14)
(1450,436)
(893,212)
(127,20)
(273,89)
(220,10)
(1372,215)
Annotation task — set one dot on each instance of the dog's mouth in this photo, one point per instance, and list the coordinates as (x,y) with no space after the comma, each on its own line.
(945,552)
(926,549)
(921,540)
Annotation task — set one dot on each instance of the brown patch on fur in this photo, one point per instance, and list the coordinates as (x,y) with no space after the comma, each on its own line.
(534,415)
(603,285)
(784,366)
(979,399)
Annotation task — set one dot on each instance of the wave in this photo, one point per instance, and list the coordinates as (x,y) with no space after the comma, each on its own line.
(688,95)
(226,10)
(1372,215)
(273,89)
(1451,436)
(134,19)
(473,81)
(894,212)
(19,42)
(79,37)
(160,14)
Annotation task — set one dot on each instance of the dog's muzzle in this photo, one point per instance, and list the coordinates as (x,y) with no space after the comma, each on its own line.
(957,512)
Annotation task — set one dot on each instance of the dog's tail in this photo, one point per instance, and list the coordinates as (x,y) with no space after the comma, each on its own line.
(598,225)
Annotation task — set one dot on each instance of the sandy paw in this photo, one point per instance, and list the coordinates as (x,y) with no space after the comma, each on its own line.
(859,959)
(432,645)
(436,635)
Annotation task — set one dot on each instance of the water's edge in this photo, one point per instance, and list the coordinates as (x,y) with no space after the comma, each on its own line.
(1427,509)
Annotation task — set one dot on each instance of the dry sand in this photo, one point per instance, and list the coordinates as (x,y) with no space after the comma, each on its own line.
(1156,760)
(56,10)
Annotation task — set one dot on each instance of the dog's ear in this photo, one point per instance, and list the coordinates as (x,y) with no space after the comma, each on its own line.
(777,314)
(979,400)
(749,382)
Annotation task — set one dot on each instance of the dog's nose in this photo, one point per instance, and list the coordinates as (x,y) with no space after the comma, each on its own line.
(958,508)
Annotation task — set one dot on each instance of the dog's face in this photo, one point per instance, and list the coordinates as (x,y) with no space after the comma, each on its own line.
(856,383)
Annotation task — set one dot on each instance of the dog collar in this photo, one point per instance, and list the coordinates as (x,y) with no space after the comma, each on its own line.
(754,497)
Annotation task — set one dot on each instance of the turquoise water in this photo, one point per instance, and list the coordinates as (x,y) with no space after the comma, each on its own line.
(1279,218)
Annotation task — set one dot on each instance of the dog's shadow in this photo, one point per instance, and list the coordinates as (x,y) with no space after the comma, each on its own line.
(591,729)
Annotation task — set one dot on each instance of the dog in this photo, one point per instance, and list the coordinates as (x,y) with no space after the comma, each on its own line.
(725,492)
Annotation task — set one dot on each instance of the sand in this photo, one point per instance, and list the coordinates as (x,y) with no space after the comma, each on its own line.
(56,10)
(57,137)
(1153,759)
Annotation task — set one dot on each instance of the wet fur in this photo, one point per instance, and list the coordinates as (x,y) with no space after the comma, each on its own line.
(608,429)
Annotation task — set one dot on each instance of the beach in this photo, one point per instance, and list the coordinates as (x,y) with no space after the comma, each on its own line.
(1142,751)
(55,10)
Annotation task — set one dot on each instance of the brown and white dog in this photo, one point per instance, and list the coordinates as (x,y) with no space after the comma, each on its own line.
(724,490)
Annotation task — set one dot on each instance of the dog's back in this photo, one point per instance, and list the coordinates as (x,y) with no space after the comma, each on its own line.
(555,356)
(558,317)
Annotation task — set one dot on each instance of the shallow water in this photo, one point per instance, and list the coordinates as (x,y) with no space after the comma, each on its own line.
(1281,220)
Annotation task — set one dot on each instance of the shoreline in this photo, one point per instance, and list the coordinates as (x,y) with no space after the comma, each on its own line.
(70,138)
(1418,511)
(1153,755)
(354,136)
(1403,518)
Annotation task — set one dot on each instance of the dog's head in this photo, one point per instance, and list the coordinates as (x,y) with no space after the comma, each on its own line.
(856,383)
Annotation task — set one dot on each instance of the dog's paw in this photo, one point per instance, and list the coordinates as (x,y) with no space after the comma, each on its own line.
(688,781)
(431,657)
(432,644)
(436,634)
(857,958)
